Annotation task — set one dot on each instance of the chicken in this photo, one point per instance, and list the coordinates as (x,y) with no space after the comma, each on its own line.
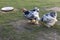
(32,15)
(50,18)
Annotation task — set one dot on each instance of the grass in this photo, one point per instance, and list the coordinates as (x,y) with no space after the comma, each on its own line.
(8,32)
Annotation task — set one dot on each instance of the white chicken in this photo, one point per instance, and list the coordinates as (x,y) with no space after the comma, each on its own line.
(50,18)
(32,15)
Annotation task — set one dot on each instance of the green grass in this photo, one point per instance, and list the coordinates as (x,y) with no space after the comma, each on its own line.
(9,32)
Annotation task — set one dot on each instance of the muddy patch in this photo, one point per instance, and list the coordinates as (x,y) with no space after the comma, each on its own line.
(22,25)
(42,33)
(54,9)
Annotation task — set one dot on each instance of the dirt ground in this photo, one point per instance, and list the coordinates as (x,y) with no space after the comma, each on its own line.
(44,34)
(54,9)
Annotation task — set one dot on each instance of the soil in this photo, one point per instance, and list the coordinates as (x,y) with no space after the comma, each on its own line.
(44,34)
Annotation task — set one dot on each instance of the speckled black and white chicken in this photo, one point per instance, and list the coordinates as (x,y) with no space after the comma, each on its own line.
(50,18)
(32,15)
